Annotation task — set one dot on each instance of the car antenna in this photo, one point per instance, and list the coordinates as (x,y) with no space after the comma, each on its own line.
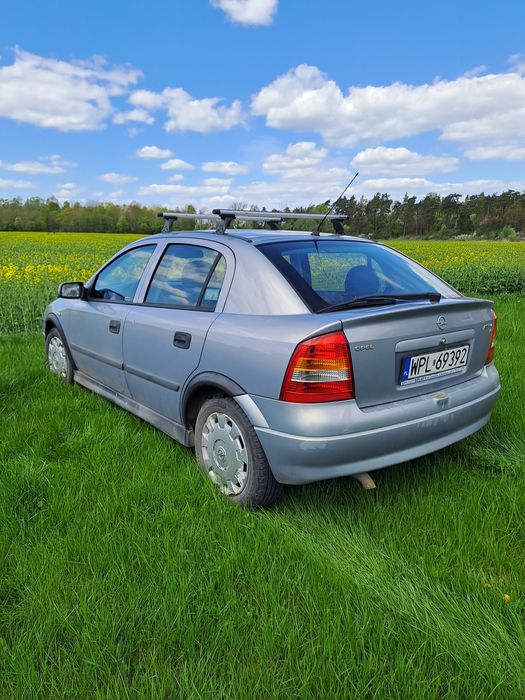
(317,230)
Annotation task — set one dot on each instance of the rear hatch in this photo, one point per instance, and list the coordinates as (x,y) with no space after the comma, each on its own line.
(448,340)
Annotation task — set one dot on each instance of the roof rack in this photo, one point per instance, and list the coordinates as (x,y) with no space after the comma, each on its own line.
(272,219)
(229,215)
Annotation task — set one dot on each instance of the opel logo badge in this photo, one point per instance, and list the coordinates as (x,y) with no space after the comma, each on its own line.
(441,322)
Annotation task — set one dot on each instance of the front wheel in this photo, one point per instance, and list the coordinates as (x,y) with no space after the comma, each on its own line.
(229,452)
(57,356)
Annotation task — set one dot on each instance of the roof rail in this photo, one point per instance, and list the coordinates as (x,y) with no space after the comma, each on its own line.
(272,219)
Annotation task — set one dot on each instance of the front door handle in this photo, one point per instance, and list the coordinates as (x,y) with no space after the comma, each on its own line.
(182,340)
(114,326)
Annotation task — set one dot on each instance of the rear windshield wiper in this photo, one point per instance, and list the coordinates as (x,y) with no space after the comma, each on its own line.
(380,300)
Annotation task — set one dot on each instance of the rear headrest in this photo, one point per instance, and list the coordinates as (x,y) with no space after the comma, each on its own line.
(360,280)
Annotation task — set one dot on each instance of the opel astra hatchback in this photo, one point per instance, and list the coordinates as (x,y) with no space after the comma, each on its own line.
(281,357)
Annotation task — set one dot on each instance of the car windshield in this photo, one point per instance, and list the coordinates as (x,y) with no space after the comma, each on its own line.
(330,272)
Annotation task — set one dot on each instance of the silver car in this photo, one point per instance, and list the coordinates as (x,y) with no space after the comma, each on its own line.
(281,357)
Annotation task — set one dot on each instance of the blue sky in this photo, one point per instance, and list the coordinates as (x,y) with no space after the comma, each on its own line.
(267,102)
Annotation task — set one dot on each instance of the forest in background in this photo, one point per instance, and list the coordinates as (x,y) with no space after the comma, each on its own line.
(433,216)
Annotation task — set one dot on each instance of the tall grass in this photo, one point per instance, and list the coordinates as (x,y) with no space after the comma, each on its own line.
(124,574)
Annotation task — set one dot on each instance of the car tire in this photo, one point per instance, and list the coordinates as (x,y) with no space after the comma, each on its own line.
(229,452)
(58,359)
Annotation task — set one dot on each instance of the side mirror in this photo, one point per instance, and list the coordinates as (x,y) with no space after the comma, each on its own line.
(71,290)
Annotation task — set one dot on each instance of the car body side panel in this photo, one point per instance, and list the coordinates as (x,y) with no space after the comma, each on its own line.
(95,349)
(155,367)
(254,351)
(259,289)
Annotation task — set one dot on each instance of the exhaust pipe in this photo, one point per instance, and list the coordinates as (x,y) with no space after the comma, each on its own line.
(365,480)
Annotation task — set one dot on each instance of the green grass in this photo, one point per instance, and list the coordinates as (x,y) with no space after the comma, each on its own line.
(123,574)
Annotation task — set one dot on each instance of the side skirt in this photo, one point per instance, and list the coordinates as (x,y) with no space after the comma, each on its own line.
(175,430)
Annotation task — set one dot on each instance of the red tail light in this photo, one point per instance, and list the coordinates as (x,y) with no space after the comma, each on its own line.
(490,354)
(320,370)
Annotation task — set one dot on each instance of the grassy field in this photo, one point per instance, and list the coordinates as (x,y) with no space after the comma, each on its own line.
(123,574)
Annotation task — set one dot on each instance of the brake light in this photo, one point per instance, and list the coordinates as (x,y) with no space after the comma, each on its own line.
(490,353)
(320,370)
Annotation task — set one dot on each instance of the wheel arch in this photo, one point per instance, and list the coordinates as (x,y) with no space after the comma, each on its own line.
(51,321)
(202,387)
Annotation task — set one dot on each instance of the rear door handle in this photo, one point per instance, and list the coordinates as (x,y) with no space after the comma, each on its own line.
(114,326)
(182,340)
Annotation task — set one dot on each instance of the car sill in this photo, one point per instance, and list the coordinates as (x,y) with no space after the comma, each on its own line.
(175,430)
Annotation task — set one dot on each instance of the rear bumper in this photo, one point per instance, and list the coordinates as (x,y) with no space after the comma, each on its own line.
(311,442)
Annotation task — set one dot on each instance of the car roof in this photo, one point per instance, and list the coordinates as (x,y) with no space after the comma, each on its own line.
(255,236)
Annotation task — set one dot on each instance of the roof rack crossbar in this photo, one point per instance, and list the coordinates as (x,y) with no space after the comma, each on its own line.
(337,220)
(272,219)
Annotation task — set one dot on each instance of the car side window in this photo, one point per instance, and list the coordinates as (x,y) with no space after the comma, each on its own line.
(187,276)
(119,280)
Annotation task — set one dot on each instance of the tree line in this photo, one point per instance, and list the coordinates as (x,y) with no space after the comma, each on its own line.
(484,215)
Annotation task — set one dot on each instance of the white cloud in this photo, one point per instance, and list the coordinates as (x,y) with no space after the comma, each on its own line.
(468,110)
(228,167)
(47,165)
(303,154)
(517,61)
(176,164)
(68,96)
(251,12)
(187,113)
(16,184)
(295,187)
(508,152)
(116,178)
(146,99)
(219,182)
(401,161)
(177,177)
(68,190)
(153,152)
(116,195)
(134,115)
(477,70)
(211,187)
(397,187)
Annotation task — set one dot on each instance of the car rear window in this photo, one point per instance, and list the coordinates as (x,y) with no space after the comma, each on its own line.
(326,272)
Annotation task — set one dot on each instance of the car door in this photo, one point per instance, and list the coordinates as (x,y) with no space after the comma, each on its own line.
(96,323)
(164,334)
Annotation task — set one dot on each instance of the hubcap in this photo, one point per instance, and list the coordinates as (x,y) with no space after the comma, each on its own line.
(57,358)
(224,453)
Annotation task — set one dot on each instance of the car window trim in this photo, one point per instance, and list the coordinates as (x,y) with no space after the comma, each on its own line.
(183,307)
(207,281)
(91,288)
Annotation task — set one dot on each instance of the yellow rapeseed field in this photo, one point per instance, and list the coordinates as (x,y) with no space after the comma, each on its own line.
(33,264)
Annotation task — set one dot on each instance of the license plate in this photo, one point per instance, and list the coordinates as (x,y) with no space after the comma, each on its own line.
(417,368)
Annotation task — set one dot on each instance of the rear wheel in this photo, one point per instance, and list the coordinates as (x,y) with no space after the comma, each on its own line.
(57,356)
(230,454)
